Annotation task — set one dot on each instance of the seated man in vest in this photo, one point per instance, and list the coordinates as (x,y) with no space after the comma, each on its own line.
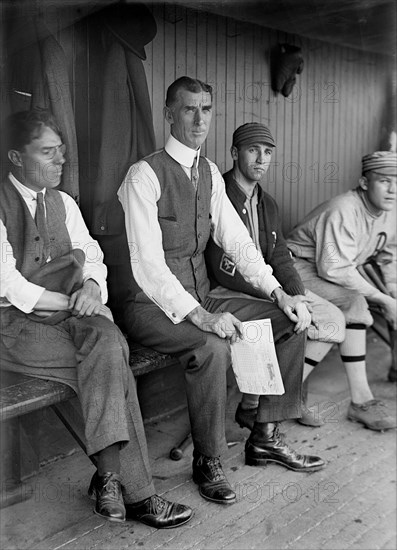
(54,324)
(173,199)
(252,150)
(332,246)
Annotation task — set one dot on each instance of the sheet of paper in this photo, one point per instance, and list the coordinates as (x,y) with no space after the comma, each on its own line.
(254,360)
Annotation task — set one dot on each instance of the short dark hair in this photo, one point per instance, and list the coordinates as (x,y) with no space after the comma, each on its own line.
(186,83)
(22,127)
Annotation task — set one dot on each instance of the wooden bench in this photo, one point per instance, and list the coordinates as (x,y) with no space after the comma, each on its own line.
(22,395)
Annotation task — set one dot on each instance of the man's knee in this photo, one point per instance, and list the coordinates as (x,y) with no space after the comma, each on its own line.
(357,310)
(213,355)
(331,323)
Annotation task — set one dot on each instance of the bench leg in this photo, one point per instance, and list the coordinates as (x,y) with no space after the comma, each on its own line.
(13,489)
(70,414)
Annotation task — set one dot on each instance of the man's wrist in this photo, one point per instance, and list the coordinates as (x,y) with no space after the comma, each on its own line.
(276,294)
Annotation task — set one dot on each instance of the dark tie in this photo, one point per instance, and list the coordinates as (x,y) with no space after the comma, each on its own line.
(42,224)
(194,174)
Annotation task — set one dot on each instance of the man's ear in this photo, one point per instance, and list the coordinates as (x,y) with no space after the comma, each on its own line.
(234,152)
(363,183)
(15,157)
(168,115)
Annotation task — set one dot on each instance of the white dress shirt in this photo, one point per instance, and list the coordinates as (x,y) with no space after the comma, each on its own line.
(15,288)
(139,194)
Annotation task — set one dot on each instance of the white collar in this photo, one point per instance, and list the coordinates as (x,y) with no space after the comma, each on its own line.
(181,153)
(24,191)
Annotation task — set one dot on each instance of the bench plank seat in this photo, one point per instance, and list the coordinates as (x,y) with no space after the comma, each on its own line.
(24,394)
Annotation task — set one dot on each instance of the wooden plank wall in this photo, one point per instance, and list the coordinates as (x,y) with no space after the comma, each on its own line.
(332,118)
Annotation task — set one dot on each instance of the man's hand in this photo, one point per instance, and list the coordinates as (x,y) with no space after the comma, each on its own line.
(224,325)
(296,308)
(86,301)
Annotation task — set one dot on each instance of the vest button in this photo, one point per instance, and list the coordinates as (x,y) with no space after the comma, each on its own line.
(37,238)
(37,259)
(102,228)
(199,235)
(244,211)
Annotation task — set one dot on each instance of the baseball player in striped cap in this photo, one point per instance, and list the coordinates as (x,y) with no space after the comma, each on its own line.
(336,246)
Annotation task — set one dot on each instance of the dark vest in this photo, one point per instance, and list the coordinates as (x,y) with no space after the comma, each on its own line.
(184,218)
(22,232)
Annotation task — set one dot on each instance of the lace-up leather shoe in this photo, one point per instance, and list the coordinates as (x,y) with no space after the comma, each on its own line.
(273,448)
(106,490)
(245,418)
(212,482)
(373,414)
(159,512)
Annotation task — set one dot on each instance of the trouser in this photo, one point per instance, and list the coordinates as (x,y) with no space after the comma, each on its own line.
(353,305)
(90,355)
(205,359)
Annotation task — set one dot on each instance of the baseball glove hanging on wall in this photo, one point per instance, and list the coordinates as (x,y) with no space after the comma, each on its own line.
(287,62)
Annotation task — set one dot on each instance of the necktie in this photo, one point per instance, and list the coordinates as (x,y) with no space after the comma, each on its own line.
(194,176)
(42,224)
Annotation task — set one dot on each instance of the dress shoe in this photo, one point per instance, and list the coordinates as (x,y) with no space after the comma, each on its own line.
(106,490)
(159,512)
(245,417)
(264,447)
(372,414)
(212,482)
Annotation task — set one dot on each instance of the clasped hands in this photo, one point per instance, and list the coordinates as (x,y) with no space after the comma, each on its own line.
(86,302)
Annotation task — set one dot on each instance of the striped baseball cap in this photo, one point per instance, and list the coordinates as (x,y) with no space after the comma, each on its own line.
(381,162)
(253,132)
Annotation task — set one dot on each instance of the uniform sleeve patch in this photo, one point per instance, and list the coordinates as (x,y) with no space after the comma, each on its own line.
(227,266)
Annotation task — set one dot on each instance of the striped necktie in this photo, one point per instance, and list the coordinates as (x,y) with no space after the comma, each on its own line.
(41,224)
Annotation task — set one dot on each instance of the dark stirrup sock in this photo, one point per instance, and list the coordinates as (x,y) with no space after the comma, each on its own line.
(108,460)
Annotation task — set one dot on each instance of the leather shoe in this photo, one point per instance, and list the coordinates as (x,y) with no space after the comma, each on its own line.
(271,447)
(245,417)
(212,482)
(159,512)
(106,490)
(372,414)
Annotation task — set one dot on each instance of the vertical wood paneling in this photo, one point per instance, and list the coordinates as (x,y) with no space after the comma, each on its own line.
(331,119)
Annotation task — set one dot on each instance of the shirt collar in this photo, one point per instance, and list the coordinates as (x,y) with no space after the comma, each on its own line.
(181,153)
(24,191)
(368,206)
(247,196)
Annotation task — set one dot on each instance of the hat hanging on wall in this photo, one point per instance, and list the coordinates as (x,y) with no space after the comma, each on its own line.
(132,24)
(286,63)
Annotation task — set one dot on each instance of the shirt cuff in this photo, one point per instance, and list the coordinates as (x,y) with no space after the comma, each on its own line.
(181,307)
(28,299)
(270,284)
(101,284)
